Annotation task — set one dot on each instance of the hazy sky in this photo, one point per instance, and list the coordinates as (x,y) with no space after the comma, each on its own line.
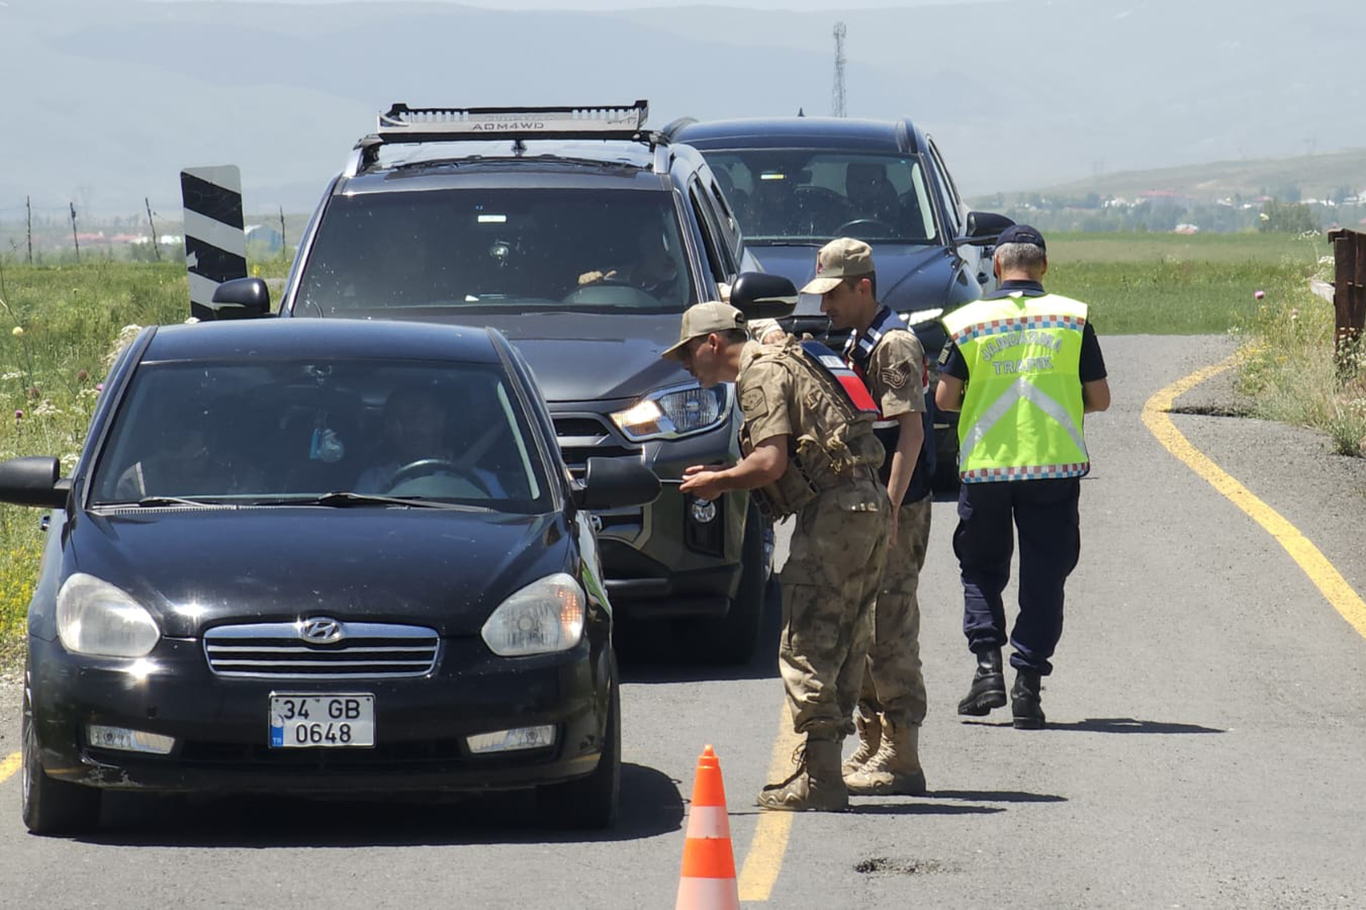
(805,5)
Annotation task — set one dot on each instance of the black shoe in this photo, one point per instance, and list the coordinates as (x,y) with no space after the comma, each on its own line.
(988,686)
(1025,701)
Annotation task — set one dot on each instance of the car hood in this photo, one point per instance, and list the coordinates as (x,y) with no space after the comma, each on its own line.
(909,276)
(593,357)
(197,568)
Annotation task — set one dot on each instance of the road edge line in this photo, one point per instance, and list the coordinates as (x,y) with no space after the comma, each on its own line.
(1321,572)
(8,765)
(764,860)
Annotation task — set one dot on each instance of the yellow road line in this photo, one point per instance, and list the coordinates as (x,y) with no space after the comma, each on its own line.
(8,765)
(765,858)
(1320,571)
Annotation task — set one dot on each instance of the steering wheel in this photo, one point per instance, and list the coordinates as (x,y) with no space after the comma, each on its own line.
(845,228)
(424,467)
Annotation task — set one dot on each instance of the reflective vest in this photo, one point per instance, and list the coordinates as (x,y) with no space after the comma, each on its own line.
(1022,405)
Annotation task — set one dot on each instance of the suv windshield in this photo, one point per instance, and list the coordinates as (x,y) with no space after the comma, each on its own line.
(441,252)
(783,195)
(283,431)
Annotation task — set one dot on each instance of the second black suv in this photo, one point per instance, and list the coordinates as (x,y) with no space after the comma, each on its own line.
(582,237)
(798,182)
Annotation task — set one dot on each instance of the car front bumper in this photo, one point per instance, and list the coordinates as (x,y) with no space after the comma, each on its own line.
(221,724)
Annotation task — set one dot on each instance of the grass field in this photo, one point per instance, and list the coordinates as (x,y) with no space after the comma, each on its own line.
(62,325)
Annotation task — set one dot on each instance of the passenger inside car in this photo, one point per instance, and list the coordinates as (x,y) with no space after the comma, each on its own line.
(871,194)
(188,456)
(417,455)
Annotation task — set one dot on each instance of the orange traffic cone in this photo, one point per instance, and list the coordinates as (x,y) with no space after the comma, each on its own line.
(708,878)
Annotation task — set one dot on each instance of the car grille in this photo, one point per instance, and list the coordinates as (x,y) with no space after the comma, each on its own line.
(280,650)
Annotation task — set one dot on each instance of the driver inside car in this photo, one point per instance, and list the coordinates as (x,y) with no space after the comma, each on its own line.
(872,197)
(416,445)
(652,269)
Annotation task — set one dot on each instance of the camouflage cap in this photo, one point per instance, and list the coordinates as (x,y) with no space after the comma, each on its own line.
(702,319)
(839,259)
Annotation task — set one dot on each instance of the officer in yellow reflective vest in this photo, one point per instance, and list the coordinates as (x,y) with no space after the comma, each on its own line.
(1022,366)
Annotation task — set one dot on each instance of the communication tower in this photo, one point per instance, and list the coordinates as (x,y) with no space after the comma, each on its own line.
(837,94)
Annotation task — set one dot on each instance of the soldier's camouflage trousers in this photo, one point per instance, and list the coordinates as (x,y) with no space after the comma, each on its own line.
(894,684)
(830,582)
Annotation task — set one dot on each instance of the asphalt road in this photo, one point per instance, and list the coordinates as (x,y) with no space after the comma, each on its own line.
(1204,749)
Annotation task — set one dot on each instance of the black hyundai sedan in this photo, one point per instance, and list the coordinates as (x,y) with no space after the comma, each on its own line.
(320,557)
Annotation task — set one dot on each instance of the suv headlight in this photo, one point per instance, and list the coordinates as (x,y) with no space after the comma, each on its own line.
(915,317)
(544,617)
(674,412)
(96,618)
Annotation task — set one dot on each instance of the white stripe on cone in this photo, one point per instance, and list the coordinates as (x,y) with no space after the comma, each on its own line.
(708,821)
(708,894)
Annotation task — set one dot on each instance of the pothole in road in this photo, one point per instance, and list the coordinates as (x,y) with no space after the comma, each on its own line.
(1213,410)
(884,865)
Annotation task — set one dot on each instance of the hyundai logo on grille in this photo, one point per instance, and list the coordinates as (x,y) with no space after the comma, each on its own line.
(322,631)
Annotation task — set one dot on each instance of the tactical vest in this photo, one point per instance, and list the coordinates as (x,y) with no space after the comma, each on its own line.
(1022,405)
(858,352)
(827,447)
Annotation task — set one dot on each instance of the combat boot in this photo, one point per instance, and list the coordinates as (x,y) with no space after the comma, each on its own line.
(895,769)
(816,785)
(1025,701)
(988,685)
(869,724)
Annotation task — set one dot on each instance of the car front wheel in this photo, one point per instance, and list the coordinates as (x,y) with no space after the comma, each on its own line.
(592,801)
(51,806)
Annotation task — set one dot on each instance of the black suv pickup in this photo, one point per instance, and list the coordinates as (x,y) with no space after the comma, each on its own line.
(797,182)
(583,237)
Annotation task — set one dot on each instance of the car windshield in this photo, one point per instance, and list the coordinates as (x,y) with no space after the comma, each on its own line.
(286,431)
(809,196)
(496,250)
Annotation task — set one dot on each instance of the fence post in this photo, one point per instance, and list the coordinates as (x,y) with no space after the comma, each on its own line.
(1349,297)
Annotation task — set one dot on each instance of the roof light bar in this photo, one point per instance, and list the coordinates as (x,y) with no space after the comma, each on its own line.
(402,123)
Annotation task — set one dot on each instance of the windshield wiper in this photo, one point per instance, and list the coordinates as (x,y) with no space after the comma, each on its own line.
(182,501)
(343,499)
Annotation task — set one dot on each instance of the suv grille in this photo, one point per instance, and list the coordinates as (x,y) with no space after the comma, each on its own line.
(279,650)
(582,436)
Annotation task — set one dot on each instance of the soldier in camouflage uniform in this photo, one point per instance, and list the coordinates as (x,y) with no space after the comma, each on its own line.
(810,453)
(889,359)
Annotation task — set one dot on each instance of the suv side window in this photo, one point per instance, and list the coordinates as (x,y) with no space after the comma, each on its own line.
(952,204)
(730,226)
(718,259)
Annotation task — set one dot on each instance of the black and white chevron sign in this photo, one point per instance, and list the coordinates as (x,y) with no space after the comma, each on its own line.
(215,246)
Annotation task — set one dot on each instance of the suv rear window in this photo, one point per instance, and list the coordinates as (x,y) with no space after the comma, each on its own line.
(806,195)
(494,250)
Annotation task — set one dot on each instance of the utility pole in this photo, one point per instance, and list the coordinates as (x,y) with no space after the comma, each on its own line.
(284,243)
(837,94)
(28,203)
(74,239)
(156,250)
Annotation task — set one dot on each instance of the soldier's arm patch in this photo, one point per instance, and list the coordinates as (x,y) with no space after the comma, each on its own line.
(754,402)
(897,375)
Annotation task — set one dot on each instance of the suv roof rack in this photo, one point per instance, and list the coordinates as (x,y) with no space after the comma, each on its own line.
(402,124)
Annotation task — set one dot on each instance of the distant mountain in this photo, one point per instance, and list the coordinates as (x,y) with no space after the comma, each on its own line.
(1288,179)
(105,101)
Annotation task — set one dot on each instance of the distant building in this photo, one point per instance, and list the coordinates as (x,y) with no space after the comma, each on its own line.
(265,235)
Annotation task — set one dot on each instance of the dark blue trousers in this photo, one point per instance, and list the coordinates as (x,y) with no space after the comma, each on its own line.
(1045,513)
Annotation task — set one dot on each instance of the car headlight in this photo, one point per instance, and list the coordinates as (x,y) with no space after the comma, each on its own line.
(679,411)
(915,317)
(96,618)
(544,617)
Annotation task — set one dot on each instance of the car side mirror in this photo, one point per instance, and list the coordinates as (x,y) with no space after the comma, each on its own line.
(33,481)
(237,298)
(760,295)
(614,483)
(985,227)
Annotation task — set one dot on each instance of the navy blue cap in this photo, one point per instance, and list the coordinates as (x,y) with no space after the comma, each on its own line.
(1021,233)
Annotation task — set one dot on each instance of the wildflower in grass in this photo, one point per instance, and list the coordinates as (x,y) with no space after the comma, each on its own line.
(17,331)
(1259,294)
(18,415)
(35,393)
(13,375)
(82,375)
